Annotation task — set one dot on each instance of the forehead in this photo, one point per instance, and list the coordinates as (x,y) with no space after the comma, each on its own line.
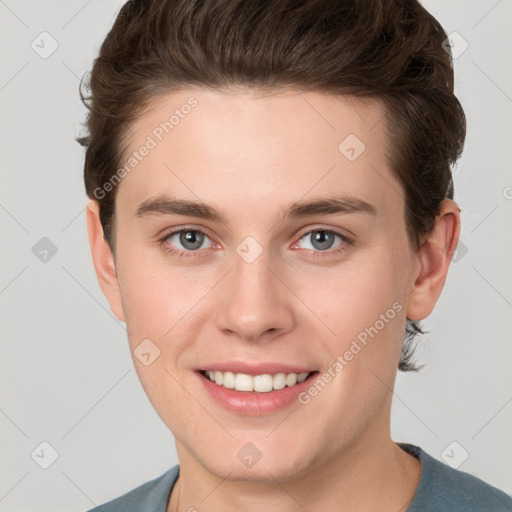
(208,144)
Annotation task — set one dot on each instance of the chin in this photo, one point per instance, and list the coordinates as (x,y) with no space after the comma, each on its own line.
(278,466)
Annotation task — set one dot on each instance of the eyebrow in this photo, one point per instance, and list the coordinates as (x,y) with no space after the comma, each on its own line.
(165,205)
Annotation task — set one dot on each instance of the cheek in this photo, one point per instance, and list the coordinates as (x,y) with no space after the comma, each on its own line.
(364,305)
(155,295)
(367,314)
(145,303)
(158,304)
(356,294)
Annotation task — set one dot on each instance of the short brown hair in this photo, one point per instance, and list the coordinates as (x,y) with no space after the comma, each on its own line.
(391,50)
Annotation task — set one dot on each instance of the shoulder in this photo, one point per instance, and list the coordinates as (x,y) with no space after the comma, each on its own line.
(151,496)
(443,488)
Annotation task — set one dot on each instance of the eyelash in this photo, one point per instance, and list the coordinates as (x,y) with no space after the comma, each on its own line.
(192,254)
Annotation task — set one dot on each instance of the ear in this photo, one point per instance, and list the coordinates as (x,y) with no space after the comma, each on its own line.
(434,257)
(103,260)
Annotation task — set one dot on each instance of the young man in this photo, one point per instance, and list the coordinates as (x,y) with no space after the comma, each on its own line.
(271,211)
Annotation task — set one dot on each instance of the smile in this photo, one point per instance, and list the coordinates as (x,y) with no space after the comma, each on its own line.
(259,383)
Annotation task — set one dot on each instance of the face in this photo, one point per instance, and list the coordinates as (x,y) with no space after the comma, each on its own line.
(297,262)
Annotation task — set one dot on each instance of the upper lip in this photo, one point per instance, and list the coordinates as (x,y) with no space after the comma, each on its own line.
(254,368)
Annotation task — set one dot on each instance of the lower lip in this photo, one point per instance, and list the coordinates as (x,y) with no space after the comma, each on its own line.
(253,403)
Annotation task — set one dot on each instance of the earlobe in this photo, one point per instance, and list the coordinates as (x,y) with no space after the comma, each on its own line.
(103,260)
(434,257)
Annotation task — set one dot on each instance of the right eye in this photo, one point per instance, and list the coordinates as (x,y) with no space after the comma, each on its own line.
(190,239)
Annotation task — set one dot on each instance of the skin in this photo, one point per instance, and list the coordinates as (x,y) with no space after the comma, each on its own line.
(251,155)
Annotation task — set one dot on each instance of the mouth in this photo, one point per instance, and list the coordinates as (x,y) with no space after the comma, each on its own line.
(263,383)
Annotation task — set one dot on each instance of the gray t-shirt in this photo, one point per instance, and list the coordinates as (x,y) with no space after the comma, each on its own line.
(441,489)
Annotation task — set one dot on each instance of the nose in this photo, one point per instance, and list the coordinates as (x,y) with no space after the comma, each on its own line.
(255,305)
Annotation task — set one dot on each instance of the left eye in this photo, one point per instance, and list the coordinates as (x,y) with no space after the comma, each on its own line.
(189,239)
(323,239)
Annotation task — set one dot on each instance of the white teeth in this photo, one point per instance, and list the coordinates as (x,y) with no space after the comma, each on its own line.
(229,380)
(302,376)
(243,382)
(279,380)
(291,379)
(263,383)
(259,383)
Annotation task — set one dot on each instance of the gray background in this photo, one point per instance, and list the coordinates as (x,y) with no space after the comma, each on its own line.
(66,373)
